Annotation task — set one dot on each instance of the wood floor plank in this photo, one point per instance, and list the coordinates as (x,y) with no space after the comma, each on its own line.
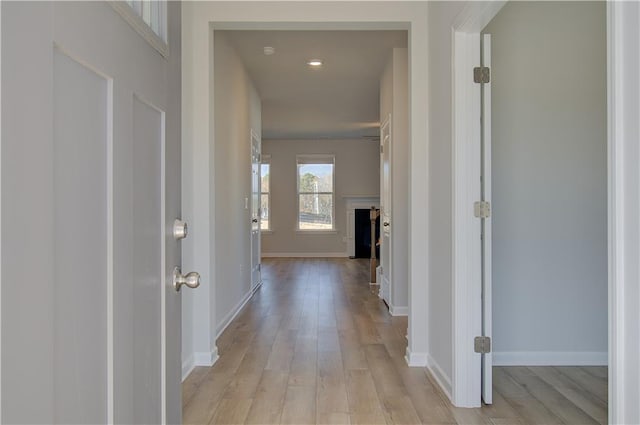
(267,404)
(315,344)
(333,419)
(231,411)
(595,385)
(331,388)
(583,399)
(299,405)
(362,394)
(550,397)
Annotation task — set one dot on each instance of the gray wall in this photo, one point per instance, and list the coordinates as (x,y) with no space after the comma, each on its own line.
(357,172)
(549,182)
(441,18)
(394,100)
(237,109)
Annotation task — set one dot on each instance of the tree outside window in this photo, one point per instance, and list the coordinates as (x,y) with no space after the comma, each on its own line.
(265,169)
(315,192)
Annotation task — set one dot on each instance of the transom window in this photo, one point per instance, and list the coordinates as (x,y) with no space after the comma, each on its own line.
(153,13)
(315,192)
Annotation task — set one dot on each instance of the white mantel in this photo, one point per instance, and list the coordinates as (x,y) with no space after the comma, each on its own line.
(353,203)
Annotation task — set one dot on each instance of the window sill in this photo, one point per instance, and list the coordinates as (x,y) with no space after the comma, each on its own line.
(317,232)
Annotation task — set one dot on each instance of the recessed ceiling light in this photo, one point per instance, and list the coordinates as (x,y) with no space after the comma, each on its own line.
(314,63)
(268,50)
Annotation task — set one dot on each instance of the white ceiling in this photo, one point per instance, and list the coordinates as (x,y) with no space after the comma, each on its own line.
(340,100)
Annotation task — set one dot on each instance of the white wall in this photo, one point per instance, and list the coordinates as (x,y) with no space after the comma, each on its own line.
(441,18)
(207,310)
(237,112)
(624,211)
(357,172)
(394,100)
(549,167)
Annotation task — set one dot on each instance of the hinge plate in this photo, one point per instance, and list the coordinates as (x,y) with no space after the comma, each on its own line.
(482,209)
(381,148)
(481,74)
(482,344)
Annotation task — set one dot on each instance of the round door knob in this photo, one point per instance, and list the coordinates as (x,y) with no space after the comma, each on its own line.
(191,280)
(180,229)
(255,220)
(385,224)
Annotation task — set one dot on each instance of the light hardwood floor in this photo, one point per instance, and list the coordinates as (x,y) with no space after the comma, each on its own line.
(316,345)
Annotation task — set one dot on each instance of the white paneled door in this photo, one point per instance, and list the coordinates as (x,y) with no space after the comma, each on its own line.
(256,180)
(485,192)
(90,157)
(385,210)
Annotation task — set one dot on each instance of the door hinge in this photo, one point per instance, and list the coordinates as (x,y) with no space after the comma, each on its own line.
(481,74)
(381,148)
(482,209)
(482,344)
(259,157)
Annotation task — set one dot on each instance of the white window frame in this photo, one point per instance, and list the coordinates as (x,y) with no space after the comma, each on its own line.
(134,13)
(315,159)
(266,159)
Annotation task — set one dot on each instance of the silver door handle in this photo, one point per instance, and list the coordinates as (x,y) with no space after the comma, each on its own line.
(191,280)
(180,229)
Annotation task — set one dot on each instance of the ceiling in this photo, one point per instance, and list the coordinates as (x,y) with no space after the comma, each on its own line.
(339,100)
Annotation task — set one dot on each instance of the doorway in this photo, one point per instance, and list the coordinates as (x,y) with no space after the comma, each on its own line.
(588,323)
(227,17)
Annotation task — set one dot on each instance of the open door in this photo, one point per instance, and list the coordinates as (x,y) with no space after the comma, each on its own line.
(385,210)
(90,191)
(485,192)
(255,209)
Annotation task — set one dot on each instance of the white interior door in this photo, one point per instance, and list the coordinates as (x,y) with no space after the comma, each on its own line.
(385,210)
(487,361)
(255,209)
(90,188)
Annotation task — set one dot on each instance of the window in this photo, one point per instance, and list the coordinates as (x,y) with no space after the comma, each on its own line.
(315,192)
(148,18)
(153,13)
(265,223)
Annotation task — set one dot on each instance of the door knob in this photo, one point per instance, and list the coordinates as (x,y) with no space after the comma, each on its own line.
(192,279)
(180,229)
(255,220)
(385,224)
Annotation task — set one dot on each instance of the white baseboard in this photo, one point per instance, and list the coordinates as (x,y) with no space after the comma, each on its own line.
(550,358)
(438,374)
(206,358)
(235,310)
(415,359)
(187,366)
(398,311)
(305,255)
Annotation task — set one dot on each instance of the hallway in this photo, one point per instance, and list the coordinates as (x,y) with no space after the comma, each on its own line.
(316,345)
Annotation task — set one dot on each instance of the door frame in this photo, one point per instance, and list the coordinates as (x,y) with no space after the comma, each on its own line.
(623,20)
(466,250)
(255,285)
(199,123)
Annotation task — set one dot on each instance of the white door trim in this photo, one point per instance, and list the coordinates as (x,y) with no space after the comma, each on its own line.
(466,249)
(623,21)
(200,18)
(623,47)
